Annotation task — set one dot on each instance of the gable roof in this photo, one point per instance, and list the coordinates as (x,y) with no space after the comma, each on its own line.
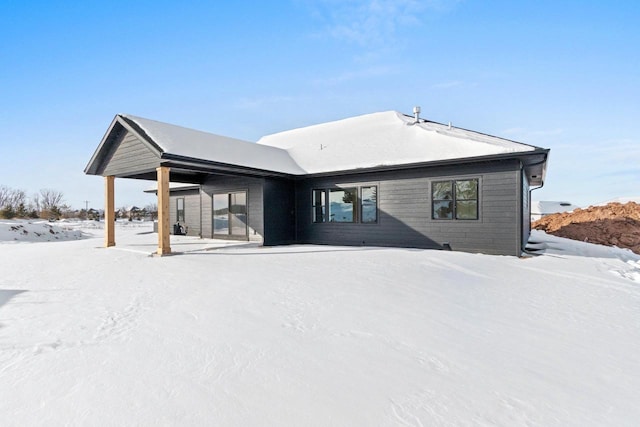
(546,207)
(189,151)
(174,141)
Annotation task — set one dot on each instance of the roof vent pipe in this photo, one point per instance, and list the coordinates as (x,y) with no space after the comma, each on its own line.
(416,113)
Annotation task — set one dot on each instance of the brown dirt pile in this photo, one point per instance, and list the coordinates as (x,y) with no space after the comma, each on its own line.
(614,224)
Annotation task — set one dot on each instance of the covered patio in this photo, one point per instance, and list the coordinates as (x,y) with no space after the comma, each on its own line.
(137,148)
(136,239)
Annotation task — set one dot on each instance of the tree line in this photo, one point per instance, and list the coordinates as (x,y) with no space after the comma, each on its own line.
(49,204)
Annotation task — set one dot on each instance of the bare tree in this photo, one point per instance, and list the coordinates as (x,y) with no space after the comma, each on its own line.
(50,202)
(12,202)
(11,197)
(18,198)
(50,198)
(122,212)
(35,206)
(4,196)
(152,210)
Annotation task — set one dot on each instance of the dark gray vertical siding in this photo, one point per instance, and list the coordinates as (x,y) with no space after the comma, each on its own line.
(497,231)
(526,210)
(222,184)
(131,155)
(404,207)
(206,203)
(279,213)
(191,210)
(192,213)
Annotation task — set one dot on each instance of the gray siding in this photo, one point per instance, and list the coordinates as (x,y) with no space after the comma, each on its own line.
(131,156)
(192,210)
(526,210)
(404,210)
(223,184)
(279,213)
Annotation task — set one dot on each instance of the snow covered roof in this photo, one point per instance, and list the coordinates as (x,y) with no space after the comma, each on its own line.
(551,207)
(195,144)
(384,139)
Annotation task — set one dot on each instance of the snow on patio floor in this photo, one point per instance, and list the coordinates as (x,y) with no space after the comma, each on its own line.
(316,335)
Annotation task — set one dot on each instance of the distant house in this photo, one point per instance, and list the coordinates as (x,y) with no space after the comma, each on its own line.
(541,209)
(381,179)
(129,212)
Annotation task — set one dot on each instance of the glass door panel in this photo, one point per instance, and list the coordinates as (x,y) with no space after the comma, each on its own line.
(230,214)
(238,213)
(221,214)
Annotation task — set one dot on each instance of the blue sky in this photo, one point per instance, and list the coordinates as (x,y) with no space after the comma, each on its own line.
(563,75)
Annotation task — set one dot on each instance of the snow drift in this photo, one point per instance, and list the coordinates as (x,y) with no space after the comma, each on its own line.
(316,335)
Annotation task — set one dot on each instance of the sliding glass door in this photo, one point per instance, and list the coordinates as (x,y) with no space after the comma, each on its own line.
(238,213)
(221,214)
(230,214)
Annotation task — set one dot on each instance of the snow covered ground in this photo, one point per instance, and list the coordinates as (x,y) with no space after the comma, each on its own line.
(313,335)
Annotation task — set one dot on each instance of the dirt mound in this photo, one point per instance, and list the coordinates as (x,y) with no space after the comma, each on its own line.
(614,224)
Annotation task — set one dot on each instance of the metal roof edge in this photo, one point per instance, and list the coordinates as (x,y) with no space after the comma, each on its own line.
(91,166)
(132,126)
(445,162)
(474,131)
(171,189)
(186,161)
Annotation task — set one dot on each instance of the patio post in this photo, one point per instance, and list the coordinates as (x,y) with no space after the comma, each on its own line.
(109,212)
(164,247)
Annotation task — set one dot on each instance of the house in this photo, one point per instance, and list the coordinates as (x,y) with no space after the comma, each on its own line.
(541,209)
(129,212)
(381,179)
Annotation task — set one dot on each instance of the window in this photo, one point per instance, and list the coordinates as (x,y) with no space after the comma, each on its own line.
(342,203)
(238,213)
(350,205)
(180,210)
(319,205)
(230,214)
(220,214)
(455,199)
(369,204)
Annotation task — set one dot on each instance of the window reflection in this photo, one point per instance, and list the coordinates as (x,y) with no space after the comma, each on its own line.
(369,201)
(319,206)
(341,204)
(455,199)
(230,214)
(220,214)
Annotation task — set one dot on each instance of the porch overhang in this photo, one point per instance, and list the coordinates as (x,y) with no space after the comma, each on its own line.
(128,151)
(124,137)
